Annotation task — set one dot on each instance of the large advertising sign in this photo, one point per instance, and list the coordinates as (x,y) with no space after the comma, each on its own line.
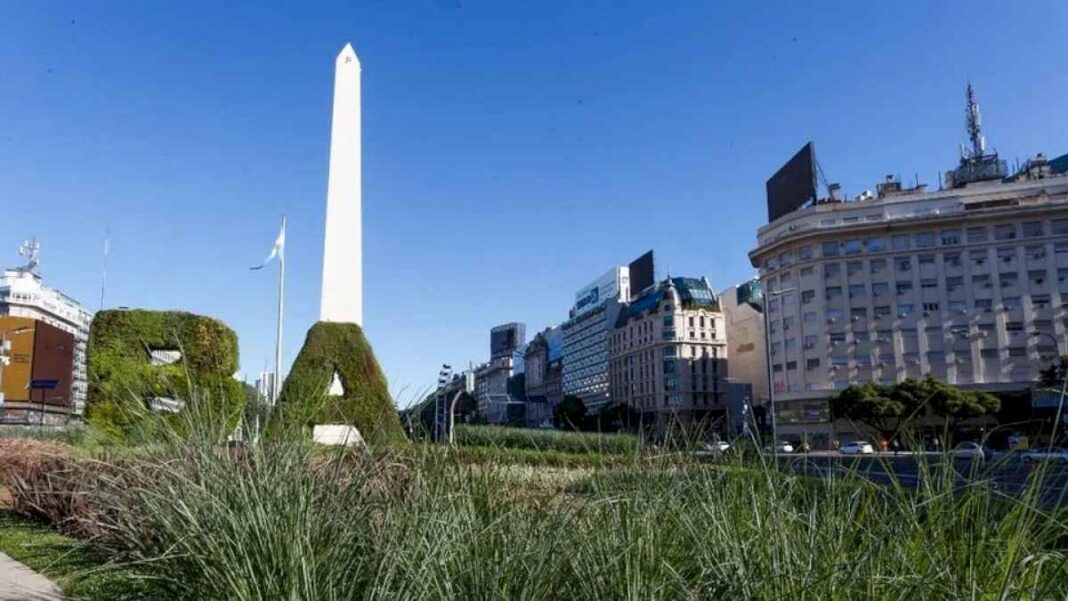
(794,185)
(603,288)
(506,339)
(641,274)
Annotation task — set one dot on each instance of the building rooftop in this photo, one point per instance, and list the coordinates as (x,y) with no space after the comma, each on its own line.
(692,292)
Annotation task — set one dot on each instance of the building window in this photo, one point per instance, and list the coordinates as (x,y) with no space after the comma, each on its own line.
(1060,227)
(837,338)
(950,237)
(832,270)
(806,271)
(902,264)
(1005,231)
(951,260)
(671,351)
(1037,277)
(880,288)
(930,307)
(1008,279)
(812,364)
(904,310)
(1060,248)
(926,260)
(925,240)
(830,249)
(834,315)
(977,234)
(1036,252)
(1010,303)
(787,324)
(669,321)
(1017,351)
(791,365)
(804,253)
(903,288)
(1040,301)
(978,258)
(989,353)
(981,281)
(851,247)
(983,304)
(1032,229)
(858,313)
(929,283)
(809,317)
(900,242)
(881,311)
(810,341)
(833,292)
(857,291)
(854,268)
(878,266)
(876,245)
(807,296)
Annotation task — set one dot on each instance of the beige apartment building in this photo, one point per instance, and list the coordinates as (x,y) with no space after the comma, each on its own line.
(668,353)
(967,283)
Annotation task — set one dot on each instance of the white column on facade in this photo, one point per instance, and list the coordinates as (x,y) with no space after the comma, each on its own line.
(342,293)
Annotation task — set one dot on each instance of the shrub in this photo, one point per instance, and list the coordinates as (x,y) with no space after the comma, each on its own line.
(546,440)
(340,348)
(122,378)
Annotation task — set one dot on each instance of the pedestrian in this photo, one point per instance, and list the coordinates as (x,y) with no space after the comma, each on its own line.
(836,444)
(896,445)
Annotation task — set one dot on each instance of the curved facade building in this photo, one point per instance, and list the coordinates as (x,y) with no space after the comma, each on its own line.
(952,283)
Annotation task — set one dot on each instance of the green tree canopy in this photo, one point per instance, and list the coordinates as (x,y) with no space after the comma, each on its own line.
(570,414)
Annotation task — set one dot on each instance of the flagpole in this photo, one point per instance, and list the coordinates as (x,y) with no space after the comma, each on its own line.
(277,388)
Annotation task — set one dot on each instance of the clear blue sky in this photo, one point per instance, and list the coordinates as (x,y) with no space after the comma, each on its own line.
(512,151)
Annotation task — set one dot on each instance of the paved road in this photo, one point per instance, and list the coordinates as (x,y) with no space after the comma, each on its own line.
(19,583)
(1007,474)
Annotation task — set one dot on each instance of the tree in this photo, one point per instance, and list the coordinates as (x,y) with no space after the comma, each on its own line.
(1054,375)
(954,403)
(570,414)
(871,403)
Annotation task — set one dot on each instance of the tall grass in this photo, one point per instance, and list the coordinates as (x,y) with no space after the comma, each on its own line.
(284,520)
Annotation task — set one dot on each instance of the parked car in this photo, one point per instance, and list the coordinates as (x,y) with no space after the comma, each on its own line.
(970,450)
(857,447)
(1053,454)
(784,447)
(717,446)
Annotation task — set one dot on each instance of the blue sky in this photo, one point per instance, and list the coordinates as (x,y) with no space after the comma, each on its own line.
(513,151)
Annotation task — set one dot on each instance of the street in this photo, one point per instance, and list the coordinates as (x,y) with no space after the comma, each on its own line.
(1007,472)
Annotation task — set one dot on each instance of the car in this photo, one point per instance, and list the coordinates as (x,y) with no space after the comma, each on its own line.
(857,447)
(784,447)
(717,446)
(1052,454)
(970,450)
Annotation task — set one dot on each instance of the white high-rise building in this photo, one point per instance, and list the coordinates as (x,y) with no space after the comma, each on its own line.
(342,293)
(585,358)
(23,294)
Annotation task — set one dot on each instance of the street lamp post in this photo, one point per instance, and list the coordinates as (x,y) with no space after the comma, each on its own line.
(771,384)
(4,359)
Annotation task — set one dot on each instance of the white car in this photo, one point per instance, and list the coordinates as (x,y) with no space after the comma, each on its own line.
(857,447)
(1055,454)
(969,450)
(718,446)
(784,447)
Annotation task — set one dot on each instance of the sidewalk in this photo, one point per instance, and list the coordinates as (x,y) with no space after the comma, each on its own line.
(20,583)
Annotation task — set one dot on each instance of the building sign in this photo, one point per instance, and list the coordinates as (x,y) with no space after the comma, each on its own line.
(606,287)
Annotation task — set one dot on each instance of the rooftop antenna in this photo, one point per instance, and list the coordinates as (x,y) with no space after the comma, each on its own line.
(973,123)
(31,249)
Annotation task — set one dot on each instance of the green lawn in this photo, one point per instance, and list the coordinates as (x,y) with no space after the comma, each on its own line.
(80,571)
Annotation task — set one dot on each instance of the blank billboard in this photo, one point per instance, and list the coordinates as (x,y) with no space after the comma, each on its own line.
(794,185)
(641,274)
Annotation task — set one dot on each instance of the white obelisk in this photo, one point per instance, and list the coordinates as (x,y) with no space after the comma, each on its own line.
(342,294)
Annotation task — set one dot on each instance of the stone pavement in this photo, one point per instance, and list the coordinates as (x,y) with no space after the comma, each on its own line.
(20,583)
